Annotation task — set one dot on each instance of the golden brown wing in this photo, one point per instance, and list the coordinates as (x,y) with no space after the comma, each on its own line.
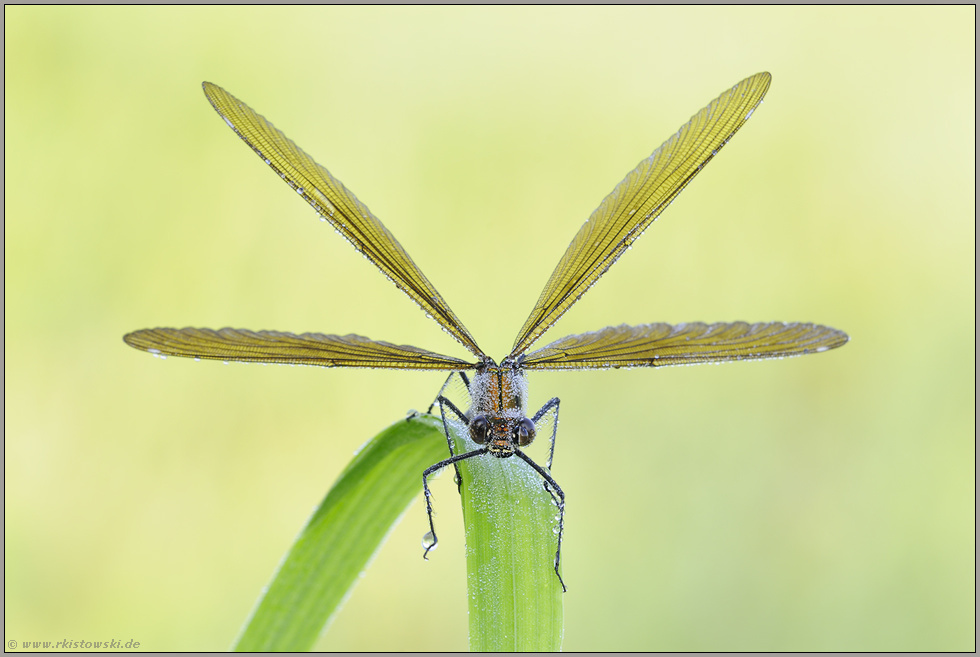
(637,201)
(659,345)
(336,204)
(316,349)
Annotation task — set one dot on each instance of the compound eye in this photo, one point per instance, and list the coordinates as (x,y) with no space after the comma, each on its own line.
(479,428)
(524,432)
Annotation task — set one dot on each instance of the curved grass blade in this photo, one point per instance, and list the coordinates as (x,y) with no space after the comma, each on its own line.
(510,521)
(338,541)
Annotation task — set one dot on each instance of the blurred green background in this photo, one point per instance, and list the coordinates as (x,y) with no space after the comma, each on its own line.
(821,503)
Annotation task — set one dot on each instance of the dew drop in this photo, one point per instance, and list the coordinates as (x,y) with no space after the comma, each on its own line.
(197,359)
(429,541)
(822,348)
(153,351)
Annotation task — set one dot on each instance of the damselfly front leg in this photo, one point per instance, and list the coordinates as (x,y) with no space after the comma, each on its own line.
(559,499)
(547,409)
(430,540)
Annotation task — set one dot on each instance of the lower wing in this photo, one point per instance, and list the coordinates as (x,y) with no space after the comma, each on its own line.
(314,349)
(660,345)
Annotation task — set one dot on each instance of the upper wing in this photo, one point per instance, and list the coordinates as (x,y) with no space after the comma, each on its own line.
(658,345)
(637,201)
(336,204)
(274,347)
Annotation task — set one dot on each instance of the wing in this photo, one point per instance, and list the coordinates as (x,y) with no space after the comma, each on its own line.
(314,349)
(659,345)
(336,204)
(637,201)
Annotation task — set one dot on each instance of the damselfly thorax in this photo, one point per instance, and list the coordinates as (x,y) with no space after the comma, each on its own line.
(497,416)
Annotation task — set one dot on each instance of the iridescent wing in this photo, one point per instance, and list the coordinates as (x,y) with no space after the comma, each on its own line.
(637,201)
(336,204)
(315,349)
(660,345)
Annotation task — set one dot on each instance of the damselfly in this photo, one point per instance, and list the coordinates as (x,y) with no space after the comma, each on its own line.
(497,418)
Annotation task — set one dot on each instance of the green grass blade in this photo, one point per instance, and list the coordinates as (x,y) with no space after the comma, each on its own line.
(348,527)
(515,599)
